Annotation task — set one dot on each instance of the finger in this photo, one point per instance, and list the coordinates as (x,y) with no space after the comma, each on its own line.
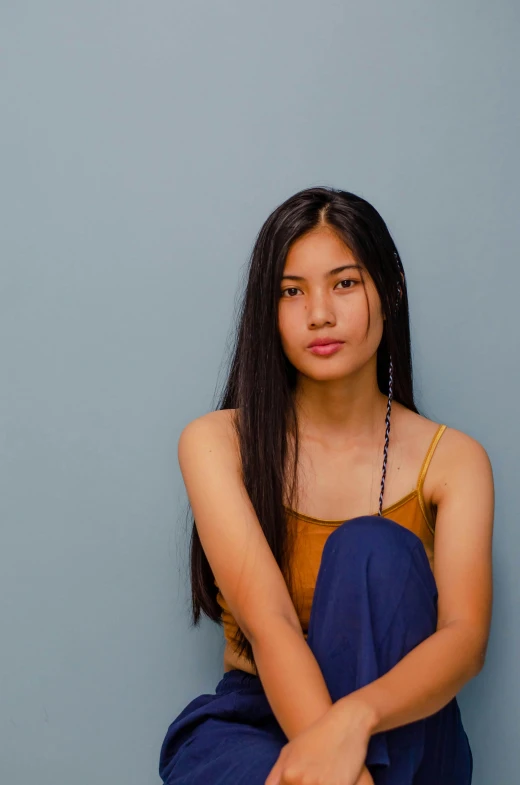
(274,775)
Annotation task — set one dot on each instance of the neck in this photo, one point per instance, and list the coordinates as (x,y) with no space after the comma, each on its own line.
(341,412)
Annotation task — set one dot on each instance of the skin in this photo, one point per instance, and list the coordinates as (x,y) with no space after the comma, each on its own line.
(341,410)
(341,416)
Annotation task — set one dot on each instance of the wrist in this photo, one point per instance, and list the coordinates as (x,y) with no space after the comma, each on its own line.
(356,714)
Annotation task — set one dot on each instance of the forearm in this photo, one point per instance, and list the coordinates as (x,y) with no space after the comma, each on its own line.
(292,679)
(421,683)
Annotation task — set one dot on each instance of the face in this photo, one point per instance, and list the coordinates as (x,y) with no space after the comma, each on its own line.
(319,300)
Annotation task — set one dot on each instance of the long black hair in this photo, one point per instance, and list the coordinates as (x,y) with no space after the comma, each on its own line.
(261,380)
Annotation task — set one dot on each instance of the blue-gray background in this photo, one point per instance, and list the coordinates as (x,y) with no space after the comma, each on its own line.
(143,145)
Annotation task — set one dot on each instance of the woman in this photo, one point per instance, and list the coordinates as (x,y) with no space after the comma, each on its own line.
(348,632)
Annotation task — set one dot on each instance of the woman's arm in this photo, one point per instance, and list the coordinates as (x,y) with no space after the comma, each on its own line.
(429,676)
(249,577)
(294,683)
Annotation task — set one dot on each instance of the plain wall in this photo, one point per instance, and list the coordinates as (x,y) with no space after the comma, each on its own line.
(143,145)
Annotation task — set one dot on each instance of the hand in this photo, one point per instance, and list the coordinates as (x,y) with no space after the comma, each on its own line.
(332,751)
(366,778)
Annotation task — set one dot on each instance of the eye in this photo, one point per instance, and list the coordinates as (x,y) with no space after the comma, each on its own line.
(348,280)
(290,289)
(296,289)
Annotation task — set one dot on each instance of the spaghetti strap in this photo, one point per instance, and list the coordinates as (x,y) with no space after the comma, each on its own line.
(422,475)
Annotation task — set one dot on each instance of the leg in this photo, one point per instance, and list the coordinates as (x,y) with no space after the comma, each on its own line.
(375,600)
(231,736)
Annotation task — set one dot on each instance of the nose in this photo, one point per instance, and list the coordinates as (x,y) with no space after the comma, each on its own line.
(320,311)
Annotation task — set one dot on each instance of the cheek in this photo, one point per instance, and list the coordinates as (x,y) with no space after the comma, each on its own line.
(288,324)
(292,331)
(359,318)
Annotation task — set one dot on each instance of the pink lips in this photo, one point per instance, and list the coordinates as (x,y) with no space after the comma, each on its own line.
(326,349)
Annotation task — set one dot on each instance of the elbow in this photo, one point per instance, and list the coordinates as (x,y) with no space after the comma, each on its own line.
(473,642)
(477,659)
(479,662)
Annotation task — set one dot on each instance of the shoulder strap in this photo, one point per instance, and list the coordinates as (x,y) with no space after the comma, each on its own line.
(422,475)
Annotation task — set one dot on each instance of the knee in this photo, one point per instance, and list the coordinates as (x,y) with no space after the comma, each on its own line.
(372,534)
(378,548)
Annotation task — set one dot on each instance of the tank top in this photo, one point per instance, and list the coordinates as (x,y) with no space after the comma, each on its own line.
(311,534)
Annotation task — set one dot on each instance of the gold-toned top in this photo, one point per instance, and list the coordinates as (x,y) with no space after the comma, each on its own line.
(311,534)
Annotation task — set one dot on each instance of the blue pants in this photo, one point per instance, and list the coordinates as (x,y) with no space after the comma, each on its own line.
(375,600)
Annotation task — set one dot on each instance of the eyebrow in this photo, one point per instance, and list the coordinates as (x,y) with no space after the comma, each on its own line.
(335,271)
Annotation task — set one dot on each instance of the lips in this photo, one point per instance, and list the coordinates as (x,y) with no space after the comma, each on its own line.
(324,342)
(325,349)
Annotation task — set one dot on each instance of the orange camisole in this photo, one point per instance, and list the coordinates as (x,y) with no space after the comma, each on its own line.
(311,534)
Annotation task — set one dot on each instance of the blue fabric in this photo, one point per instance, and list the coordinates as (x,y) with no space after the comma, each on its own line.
(375,600)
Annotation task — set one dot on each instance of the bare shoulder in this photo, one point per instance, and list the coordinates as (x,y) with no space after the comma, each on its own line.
(209,429)
(457,446)
(458,457)
(460,460)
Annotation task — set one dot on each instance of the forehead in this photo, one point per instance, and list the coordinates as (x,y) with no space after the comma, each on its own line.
(320,252)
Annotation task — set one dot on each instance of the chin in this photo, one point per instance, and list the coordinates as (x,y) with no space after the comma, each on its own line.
(327,373)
